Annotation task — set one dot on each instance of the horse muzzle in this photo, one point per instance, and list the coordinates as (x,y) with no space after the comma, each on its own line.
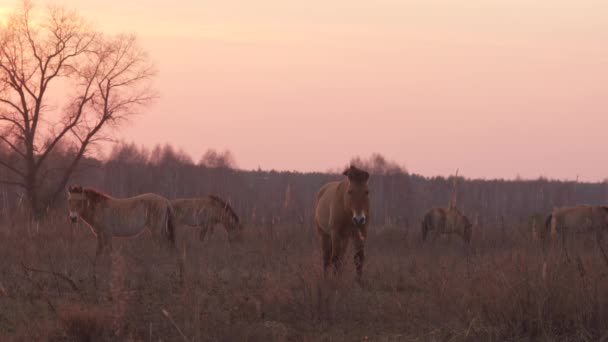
(359,220)
(73,218)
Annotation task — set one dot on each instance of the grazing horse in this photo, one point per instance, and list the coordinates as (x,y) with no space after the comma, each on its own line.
(577,219)
(205,213)
(342,213)
(446,221)
(121,217)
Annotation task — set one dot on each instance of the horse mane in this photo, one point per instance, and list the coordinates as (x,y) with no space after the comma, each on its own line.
(453,208)
(95,196)
(226,207)
(355,174)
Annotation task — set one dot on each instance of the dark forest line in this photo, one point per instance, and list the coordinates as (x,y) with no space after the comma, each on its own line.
(263,197)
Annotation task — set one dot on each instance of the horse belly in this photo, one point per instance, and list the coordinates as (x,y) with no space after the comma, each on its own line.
(578,222)
(187,218)
(129,225)
(322,215)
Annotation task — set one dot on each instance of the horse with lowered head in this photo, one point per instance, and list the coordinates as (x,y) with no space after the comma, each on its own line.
(446,221)
(577,219)
(342,213)
(110,217)
(205,213)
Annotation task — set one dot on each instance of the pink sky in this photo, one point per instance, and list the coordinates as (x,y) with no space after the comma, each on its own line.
(494,88)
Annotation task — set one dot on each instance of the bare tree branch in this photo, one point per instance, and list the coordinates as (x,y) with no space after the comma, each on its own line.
(12,105)
(7,182)
(110,76)
(12,146)
(12,168)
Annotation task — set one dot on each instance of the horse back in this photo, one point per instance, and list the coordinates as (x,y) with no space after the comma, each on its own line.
(328,207)
(572,216)
(155,206)
(435,218)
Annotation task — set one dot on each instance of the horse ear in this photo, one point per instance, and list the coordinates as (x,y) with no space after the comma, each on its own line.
(348,172)
(365,176)
(356,175)
(75,188)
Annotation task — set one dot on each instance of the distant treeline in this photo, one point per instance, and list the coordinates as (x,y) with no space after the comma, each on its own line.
(270,198)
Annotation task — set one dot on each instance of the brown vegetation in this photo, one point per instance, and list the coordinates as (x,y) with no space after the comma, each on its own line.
(272,289)
(505,286)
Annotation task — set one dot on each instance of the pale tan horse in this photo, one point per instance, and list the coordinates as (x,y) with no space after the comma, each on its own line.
(110,217)
(567,221)
(342,213)
(438,221)
(580,220)
(205,213)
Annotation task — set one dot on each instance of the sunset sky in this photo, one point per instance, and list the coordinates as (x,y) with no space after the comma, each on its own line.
(495,88)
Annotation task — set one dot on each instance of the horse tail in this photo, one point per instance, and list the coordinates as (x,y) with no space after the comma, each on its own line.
(425,227)
(170,225)
(547,228)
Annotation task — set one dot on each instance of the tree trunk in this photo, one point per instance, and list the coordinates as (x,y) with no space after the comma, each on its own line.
(33,197)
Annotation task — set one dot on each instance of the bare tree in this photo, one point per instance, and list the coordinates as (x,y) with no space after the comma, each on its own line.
(377,164)
(62,84)
(215,159)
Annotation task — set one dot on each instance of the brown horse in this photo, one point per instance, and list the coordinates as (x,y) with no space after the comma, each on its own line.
(341,213)
(205,213)
(121,217)
(571,224)
(577,219)
(446,221)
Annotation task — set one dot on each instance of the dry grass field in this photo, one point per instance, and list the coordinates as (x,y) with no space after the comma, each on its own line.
(271,288)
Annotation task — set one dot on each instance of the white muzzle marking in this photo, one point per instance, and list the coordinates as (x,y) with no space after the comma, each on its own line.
(359,219)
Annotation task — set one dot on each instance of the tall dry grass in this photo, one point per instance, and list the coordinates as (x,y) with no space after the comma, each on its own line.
(271,288)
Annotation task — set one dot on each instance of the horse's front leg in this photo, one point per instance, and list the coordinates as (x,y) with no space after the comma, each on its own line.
(203,233)
(339,244)
(104,244)
(436,234)
(359,258)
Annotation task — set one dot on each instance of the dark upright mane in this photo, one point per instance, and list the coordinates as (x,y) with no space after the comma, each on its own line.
(92,195)
(456,210)
(355,174)
(95,196)
(226,207)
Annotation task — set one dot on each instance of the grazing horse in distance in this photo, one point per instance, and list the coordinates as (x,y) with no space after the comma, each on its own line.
(446,221)
(205,213)
(342,213)
(577,219)
(110,217)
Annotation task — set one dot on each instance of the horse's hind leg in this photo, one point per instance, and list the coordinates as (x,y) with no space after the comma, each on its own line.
(206,231)
(203,232)
(99,249)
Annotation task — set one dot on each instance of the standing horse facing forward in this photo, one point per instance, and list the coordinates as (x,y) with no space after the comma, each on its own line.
(121,217)
(342,213)
(205,213)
